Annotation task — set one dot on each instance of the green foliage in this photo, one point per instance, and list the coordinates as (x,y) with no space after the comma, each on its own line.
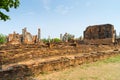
(68,37)
(45,40)
(6,5)
(2,38)
(56,40)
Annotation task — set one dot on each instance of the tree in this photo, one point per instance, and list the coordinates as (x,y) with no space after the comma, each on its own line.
(68,37)
(6,5)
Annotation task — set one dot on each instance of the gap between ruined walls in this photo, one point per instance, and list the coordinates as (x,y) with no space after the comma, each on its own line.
(20,72)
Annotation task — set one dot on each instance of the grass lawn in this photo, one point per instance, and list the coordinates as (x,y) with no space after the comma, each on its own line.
(108,69)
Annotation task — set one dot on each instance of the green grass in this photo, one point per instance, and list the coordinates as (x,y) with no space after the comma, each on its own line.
(114,59)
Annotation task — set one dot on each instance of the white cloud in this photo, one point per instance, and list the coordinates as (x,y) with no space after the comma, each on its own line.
(59,8)
(46,4)
(62,9)
(88,4)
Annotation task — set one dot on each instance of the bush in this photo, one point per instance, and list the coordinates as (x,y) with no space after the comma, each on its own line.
(56,40)
(45,40)
(2,38)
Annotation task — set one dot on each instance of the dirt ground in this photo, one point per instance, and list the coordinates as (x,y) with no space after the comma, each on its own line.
(108,69)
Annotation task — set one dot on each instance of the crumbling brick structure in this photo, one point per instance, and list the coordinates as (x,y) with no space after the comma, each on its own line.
(24,38)
(100,34)
(14,38)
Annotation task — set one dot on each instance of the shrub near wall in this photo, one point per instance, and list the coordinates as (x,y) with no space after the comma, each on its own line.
(2,38)
(56,40)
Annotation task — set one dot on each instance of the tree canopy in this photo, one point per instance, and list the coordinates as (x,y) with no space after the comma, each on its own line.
(6,5)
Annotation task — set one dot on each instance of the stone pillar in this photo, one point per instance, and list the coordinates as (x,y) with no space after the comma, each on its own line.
(14,35)
(1,60)
(39,35)
(61,37)
(115,36)
(66,37)
(23,34)
(49,38)
(25,29)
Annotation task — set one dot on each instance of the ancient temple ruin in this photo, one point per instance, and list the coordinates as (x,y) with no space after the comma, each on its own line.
(100,34)
(24,38)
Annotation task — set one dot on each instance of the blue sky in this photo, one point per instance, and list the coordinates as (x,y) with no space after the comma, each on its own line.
(60,16)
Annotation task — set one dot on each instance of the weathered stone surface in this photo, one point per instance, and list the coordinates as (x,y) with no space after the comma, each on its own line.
(20,72)
(14,38)
(39,35)
(118,40)
(17,72)
(25,37)
(100,34)
(18,53)
(1,53)
(43,59)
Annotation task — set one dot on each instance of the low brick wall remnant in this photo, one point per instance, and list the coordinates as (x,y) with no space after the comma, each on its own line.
(21,71)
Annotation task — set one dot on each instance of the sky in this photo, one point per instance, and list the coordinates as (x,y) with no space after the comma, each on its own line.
(55,17)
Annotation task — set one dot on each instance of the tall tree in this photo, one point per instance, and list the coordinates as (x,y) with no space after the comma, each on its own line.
(6,5)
